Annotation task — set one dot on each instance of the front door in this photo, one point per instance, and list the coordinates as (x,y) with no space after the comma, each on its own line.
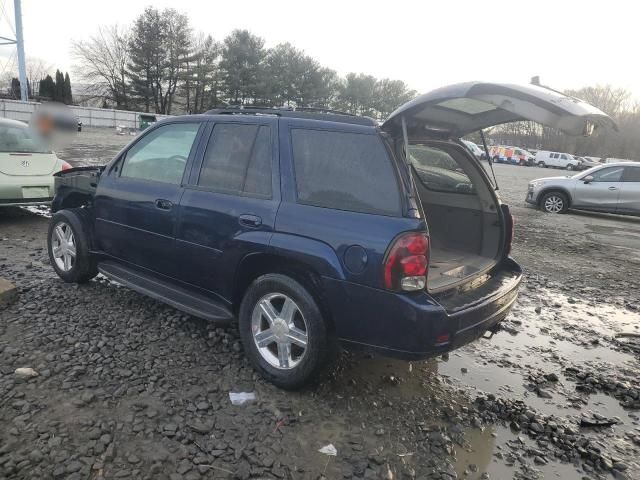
(229,206)
(602,192)
(137,198)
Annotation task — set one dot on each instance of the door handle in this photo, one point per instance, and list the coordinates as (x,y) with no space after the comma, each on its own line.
(249,220)
(163,204)
(613,188)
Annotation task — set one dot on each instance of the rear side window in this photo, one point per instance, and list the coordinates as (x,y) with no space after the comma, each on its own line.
(345,171)
(238,160)
(631,174)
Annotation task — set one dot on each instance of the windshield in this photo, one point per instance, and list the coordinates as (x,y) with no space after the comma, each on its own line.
(16,139)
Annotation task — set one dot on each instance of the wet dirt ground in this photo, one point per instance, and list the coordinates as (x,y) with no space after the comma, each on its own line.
(130,388)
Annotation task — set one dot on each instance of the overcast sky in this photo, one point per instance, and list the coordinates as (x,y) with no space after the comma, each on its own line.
(425,43)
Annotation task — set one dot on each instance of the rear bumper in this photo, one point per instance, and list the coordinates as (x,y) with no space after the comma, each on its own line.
(24,202)
(415,326)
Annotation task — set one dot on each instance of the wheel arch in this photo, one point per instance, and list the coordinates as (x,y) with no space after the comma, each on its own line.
(562,190)
(255,265)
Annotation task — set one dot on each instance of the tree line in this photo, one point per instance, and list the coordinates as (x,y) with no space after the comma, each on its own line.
(58,90)
(159,64)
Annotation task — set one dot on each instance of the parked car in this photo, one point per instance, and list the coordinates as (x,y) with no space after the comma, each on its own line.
(610,188)
(545,159)
(586,162)
(27,166)
(311,228)
(475,149)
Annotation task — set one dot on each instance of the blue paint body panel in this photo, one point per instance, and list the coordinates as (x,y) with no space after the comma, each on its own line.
(206,237)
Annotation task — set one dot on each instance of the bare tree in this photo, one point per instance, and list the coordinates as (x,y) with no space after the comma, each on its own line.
(102,63)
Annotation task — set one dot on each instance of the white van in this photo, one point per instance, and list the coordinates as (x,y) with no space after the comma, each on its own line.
(545,158)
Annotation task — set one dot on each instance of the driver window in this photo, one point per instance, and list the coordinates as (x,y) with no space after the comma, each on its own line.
(612,174)
(161,156)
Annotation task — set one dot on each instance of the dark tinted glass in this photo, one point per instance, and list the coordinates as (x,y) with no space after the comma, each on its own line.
(162,154)
(345,171)
(437,170)
(238,160)
(631,174)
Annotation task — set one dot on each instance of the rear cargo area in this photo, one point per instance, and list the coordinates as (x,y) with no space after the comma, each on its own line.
(462,214)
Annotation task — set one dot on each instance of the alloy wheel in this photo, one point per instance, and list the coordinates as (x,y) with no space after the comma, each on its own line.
(63,246)
(279,331)
(553,204)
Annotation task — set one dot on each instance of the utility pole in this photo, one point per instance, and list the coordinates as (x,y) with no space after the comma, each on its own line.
(22,69)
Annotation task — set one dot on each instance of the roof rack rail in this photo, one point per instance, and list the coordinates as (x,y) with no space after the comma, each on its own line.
(312,113)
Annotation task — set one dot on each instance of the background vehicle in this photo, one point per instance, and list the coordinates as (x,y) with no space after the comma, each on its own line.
(475,149)
(27,166)
(512,155)
(310,227)
(545,158)
(610,188)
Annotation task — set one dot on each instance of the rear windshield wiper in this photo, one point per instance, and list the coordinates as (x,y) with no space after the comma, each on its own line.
(486,152)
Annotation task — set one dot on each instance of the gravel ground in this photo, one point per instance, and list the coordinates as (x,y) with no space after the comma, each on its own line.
(127,387)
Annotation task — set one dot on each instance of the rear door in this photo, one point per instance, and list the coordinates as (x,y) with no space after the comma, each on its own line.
(629,199)
(137,199)
(602,193)
(229,205)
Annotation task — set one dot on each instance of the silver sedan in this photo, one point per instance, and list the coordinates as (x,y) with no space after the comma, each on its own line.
(610,188)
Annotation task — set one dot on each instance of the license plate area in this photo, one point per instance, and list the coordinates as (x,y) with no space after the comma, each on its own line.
(35,192)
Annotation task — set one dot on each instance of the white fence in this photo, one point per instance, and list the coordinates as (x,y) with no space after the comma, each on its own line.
(89,116)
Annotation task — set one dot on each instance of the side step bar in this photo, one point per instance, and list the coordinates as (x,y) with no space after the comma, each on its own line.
(178,297)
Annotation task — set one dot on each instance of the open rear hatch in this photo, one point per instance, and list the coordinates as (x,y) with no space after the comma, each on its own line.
(467,226)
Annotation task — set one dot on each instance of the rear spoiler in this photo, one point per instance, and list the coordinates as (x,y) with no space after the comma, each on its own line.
(63,173)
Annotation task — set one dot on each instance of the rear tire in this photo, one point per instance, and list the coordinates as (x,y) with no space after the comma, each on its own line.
(68,246)
(554,202)
(523,163)
(287,349)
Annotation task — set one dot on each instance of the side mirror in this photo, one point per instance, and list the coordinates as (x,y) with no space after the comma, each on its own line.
(588,179)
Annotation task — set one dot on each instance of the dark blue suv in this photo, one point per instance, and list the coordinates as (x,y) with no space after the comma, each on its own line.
(310,228)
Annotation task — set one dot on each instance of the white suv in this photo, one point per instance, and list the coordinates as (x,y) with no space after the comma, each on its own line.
(545,158)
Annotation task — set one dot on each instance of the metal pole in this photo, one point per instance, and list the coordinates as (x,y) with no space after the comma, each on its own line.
(22,69)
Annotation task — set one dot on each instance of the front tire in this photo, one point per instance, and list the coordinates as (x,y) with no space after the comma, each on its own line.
(570,167)
(283,331)
(554,202)
(542,165)
(68,247)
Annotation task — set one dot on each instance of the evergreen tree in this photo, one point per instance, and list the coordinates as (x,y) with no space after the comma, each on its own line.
(47,87)
(58,90)
(68,96)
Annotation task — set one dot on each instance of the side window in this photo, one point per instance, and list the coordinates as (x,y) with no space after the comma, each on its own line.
(611,174)
(631,174)
(563,157)
(438,171)
(238,160)
(344,171)
(162,154)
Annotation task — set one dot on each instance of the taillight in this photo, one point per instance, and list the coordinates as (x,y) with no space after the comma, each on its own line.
(406,263)
(65,166)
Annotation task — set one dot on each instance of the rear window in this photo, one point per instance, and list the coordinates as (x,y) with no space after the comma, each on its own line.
(344,171)
(438,171)
(21,140)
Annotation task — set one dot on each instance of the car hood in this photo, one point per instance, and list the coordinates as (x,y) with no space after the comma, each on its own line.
(552,179)
(460,109)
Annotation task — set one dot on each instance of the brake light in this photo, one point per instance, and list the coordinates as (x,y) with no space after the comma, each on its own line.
(65,166)
(406,263)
